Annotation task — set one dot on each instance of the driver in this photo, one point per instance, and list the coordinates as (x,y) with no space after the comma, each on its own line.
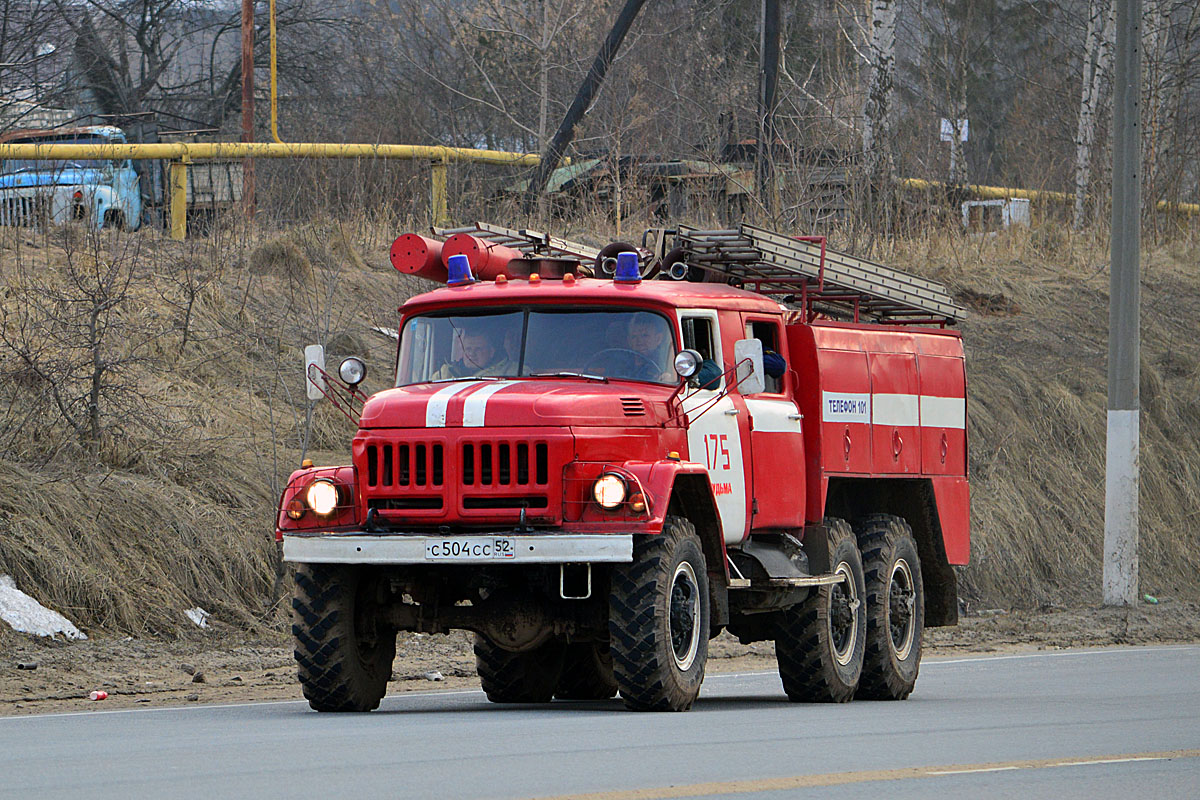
(480,356)
(648,338)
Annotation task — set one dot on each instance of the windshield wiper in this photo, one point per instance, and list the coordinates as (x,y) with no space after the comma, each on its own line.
(468,378)
(583,375)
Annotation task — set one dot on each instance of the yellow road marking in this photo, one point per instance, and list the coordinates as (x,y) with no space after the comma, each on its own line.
(865,776)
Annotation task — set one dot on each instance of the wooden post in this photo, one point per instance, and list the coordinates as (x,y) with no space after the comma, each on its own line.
(178,178)
(248,104)
(438,201)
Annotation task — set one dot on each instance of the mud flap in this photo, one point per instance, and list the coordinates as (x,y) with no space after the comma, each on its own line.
(816,547)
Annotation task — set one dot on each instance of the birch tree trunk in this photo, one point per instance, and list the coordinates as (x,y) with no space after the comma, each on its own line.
(878,134)
(1156,106)
(1097,64)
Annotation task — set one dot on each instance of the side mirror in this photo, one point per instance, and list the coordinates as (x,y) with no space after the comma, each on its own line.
(749,356)
(314,380)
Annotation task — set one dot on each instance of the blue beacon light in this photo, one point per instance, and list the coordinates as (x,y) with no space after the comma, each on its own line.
(458,269)
(628,270)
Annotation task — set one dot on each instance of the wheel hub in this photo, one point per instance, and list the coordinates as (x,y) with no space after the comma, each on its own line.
(684,616)
(902,608)
(843,615)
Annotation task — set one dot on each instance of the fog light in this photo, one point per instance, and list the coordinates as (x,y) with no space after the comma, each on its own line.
(322,497)
(609,490)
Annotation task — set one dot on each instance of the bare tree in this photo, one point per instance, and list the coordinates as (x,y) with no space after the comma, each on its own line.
(878,132)
(1097,70)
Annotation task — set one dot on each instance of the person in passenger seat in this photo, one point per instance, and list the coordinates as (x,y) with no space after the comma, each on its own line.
(480,357)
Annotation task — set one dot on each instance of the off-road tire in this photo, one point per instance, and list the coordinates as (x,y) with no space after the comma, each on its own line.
(658,620)
(344,653)
(895,607)
(587,673)
(820,642)
(508,677)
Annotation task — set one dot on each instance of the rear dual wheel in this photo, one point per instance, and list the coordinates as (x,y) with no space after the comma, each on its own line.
(895,607)
(527,677)
(820,642)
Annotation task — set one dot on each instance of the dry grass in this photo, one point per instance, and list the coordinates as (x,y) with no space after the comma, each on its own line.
(177,508)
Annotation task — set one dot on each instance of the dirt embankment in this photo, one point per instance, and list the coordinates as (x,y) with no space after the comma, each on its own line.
(223,666)
(164,501)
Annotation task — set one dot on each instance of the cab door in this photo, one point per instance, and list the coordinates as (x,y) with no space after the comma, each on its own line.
(715,417)
(776,440)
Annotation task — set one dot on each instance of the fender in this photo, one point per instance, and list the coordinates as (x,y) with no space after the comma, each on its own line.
(682,488)
(347,514)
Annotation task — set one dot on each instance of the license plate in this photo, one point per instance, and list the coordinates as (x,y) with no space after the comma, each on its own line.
(469,549)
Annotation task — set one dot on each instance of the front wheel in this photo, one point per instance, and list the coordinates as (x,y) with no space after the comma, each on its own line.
(658,620)
(895,607)
(820,642)
(343,649)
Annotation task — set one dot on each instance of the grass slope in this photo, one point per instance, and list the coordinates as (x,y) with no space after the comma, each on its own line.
(168,501)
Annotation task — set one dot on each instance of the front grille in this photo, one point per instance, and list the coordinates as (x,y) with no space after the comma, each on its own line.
(405,464)
(505,464)
(25,212)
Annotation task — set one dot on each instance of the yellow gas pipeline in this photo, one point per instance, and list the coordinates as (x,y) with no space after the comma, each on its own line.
(1003,193)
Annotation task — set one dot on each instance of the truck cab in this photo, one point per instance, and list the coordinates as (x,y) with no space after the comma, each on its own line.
(597,475)
(100,192)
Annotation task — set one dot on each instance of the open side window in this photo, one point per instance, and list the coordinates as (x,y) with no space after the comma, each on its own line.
(699,334)
(768,332)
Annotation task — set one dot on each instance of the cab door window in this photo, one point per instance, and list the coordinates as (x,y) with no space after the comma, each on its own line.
(699,335)
(768,333)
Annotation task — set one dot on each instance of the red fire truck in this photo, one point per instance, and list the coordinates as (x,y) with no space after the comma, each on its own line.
(599,460)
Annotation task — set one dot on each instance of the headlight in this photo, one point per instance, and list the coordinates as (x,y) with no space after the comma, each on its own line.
(352,371)
(322,497)
(609,490)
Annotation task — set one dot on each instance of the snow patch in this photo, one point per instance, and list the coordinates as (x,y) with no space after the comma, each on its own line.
(199,616)
(27,615)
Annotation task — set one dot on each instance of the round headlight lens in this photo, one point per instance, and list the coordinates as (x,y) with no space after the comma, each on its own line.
(322,497)
(352,371)
(687,362)
(609,490)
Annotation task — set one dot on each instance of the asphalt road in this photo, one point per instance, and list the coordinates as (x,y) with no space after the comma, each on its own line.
(1063,724)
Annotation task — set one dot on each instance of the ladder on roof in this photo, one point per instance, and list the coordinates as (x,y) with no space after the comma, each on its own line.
(798,271)
(533,244)
(803,271)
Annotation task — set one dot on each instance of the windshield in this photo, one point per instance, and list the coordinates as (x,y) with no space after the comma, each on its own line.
(609,343)
(14,165)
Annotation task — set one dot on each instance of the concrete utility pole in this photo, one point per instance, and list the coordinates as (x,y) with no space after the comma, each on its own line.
(1122,466)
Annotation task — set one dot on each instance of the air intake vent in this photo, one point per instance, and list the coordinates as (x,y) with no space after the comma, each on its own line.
(505,464)
(405,465)
(633,406)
